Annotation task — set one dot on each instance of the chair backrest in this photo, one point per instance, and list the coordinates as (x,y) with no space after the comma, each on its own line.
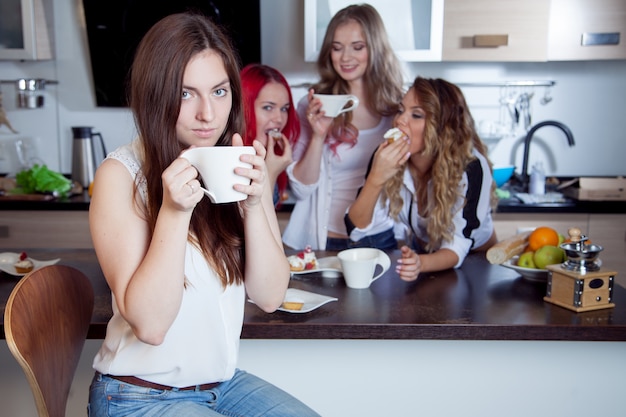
(46,320)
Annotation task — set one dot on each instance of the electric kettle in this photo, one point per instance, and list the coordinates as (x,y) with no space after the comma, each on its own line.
(85,159)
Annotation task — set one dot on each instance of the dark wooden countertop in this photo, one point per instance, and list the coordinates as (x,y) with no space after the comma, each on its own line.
(27,203)
(478,301)
(511,205)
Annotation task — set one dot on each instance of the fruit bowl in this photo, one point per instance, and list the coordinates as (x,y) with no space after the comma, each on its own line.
(531,274)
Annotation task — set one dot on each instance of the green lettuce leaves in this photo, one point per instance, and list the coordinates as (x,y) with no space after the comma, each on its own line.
(39,179)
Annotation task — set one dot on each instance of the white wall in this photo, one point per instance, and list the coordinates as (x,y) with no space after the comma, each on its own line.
(589,97)
(376,378)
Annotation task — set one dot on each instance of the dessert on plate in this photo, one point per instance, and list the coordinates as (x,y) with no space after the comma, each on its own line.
(303,261)
(292,305)
(24,265)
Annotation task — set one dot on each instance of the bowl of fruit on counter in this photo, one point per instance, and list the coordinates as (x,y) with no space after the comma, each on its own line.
(528,253)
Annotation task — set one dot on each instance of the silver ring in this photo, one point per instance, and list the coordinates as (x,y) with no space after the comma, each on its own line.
(192,189)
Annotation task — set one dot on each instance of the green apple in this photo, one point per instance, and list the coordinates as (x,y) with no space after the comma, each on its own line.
(526,260)
(561,239)
(547,255)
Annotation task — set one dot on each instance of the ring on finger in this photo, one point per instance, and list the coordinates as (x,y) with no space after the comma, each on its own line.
(193,190)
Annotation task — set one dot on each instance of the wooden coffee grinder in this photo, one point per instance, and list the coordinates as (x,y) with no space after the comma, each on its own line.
(581,283)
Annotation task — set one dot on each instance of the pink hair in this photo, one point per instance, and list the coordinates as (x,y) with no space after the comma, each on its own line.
(253,78)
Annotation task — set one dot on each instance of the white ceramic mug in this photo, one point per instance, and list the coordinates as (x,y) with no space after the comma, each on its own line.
(216,165)
(334,104)
(359,264)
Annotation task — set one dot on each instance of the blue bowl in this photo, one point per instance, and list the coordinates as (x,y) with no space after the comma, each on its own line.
(501,174)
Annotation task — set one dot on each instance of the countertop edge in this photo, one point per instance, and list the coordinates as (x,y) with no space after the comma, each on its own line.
(435,332)
(418,332)
(81,203)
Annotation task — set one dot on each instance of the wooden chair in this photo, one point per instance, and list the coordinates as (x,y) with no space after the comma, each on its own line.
(45,322)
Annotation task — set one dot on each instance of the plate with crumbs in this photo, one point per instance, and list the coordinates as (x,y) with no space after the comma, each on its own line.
(300,301)
(8,260)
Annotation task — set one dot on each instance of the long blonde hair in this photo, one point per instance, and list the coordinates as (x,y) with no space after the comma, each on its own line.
(449,140)
(382,78)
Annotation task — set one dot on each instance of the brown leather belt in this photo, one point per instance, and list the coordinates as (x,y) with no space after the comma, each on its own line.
(147,384)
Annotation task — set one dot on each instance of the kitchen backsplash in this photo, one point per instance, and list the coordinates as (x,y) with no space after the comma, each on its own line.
(589,97)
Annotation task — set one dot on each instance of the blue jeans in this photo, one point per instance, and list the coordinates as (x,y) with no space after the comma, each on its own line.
(383,241)
(243,395)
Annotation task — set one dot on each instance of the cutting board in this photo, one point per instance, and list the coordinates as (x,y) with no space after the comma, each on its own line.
(27,197)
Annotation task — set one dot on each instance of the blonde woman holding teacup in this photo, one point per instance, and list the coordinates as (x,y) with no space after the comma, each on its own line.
(331,155)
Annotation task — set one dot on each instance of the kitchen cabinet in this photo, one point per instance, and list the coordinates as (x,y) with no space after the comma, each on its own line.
(414,27)
(25,27)
(573,22)
(495,30)
(609,231)
(507,224)
(45,229)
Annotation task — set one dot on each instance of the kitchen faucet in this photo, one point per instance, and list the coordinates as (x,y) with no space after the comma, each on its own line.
(529,136)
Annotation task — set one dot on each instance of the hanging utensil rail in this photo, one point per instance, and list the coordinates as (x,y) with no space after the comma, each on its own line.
(546,83)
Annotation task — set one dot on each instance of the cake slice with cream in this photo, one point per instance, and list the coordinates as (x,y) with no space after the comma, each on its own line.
(393,134)
(303,261)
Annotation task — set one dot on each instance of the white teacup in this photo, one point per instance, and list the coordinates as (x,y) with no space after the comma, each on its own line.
(216,165)
(335,104)
(359,264)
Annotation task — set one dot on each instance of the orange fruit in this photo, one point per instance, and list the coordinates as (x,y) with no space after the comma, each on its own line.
(542,236)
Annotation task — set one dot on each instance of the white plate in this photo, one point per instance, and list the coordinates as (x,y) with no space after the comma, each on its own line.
(311,300)
(329,266)
(531,274)
(8,259)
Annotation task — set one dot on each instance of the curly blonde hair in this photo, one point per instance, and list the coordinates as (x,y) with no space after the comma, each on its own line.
(383,77)
(449,138)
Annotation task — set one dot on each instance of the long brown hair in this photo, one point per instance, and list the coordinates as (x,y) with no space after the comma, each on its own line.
(156,85)
(382,78)
(449,139)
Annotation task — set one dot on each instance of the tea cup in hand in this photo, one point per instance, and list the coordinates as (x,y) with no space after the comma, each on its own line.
(358,266)
(335,104)
(216,165)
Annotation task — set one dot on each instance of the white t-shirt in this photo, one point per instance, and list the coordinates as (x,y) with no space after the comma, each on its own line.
(202,344)
(320,207)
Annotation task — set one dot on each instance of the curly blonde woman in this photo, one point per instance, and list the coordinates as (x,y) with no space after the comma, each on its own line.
(435,182)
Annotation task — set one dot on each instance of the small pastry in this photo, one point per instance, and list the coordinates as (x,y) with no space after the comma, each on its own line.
(393,134)
(275,134)
(303,261)
(292,305)
(24,265)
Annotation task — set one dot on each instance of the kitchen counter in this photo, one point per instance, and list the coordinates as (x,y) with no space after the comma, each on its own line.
(478,301)
(513,205)
(510,205)
(78,202)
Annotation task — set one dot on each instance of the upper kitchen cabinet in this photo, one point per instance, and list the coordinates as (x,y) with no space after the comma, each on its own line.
(495,30)
(414,26)
(587,30)
(25,29)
